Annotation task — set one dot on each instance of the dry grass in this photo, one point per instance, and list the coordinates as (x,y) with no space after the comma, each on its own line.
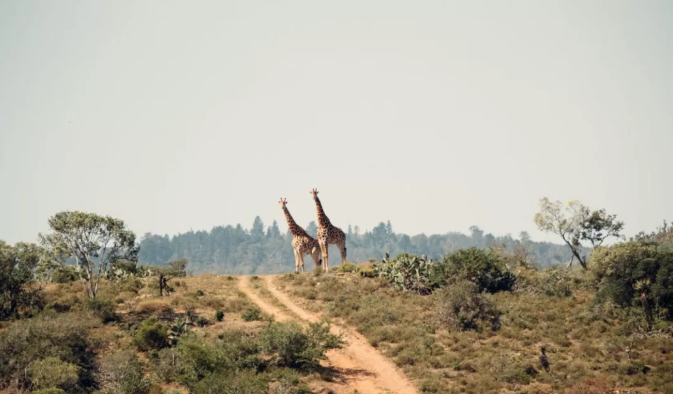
(151,306)
(586,348)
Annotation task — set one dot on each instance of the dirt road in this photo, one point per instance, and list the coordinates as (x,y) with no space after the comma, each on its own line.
(360,366)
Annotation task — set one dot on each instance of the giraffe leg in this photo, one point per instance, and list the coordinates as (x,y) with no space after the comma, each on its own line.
(297,260)
(324,252)
(302,261)
(316,255)
(342,251)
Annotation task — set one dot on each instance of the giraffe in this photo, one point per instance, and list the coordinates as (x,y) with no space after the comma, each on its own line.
(327,233)
(302,242)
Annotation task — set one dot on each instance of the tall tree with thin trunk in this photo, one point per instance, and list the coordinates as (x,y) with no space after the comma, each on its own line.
(576,224)
(93,241)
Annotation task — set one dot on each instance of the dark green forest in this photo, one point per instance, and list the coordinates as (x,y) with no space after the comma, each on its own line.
(266,250)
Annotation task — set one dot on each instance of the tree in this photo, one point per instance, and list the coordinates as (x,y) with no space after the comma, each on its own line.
(175,269)
(525,237)
(16,266)
(273,231)
(257,231)
(577,224)
(312,229)
(92,240)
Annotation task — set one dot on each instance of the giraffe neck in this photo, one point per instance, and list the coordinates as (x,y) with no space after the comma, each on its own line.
(293,227)
(323,220)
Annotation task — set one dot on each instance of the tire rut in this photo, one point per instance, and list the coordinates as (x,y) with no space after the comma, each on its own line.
(360,366)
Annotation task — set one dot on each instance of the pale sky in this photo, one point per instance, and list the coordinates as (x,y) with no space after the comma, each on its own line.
(436,115)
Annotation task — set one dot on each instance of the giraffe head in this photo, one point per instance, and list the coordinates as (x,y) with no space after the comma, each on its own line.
(283,202)
(314,193)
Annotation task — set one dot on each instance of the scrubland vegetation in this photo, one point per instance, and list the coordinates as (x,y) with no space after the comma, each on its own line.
(207,337)
(475,320)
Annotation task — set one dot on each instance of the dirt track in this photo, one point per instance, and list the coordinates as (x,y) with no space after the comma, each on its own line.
(360,366)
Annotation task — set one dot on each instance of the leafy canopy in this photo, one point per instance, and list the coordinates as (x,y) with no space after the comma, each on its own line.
(92,240)
(576,224)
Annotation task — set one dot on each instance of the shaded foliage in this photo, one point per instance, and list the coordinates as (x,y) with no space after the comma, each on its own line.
(16,272)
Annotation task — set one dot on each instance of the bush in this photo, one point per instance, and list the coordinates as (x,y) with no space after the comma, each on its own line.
(199,293)
(152,334)
(290,346)
(252,315)
(232,383)
(348,267)
(62,336)
(105,309)
(201,321)
(64,275)
(483,268)
(463,307)
(366,271)
(51,372)
(49,391)
(193,360)
(122,373)
(553,282)
(131,284)
(635,274)
(219,315)
(410,273)
(16,272)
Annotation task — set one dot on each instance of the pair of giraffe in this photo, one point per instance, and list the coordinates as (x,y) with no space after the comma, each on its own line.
(303,243)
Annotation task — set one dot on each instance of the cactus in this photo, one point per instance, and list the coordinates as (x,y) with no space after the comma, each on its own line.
(407,272)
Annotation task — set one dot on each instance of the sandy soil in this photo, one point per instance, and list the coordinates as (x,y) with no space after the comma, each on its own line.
(359,365)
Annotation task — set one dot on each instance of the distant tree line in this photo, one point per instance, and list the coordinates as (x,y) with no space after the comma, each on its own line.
(267,250)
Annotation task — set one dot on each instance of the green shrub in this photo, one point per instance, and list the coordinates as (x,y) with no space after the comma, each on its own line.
(348,267)
(483,268)
(131,284)
(51,390)
(201,321)
(463,307)
(62,336)
(16,272)
(152,334)
(64,274)
(254,277)
(253,314)
(199,293)
(219,315)
(247,382)
(553,282)
(635,274)
(291,346)
(241,351)
(193,360)
(122,373)
(51,372)
(105,309)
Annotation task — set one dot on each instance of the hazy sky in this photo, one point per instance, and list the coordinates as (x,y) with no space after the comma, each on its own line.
(437,115)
